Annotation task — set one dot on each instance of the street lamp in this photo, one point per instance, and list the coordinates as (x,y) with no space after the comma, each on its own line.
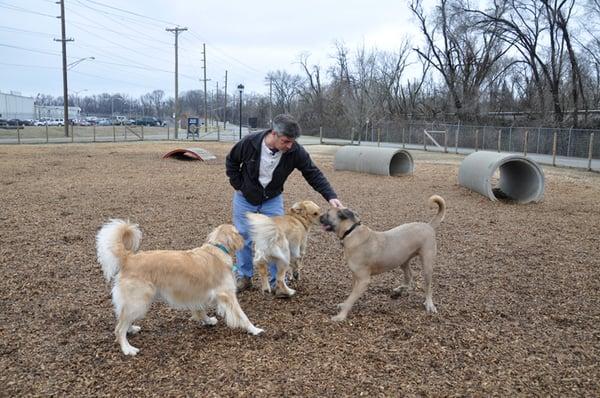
(73,64)
(240,87)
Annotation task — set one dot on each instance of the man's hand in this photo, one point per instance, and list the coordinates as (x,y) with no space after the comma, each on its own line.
(336,203)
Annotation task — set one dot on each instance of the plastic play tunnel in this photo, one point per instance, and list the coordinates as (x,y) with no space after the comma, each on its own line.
(374,160)
(502,176)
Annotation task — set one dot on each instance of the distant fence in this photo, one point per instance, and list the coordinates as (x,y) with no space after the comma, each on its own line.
(83,134)
(577,143)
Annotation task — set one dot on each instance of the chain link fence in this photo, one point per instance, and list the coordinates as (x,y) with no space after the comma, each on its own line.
(457,138)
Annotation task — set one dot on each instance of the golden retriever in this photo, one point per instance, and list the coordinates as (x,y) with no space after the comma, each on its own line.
(187,279)
(369,252)
(282,240)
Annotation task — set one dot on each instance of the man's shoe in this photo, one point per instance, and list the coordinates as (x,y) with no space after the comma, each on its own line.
(243,283)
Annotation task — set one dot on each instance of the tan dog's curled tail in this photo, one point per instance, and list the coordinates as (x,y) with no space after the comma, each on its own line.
(441,205)
(114,241)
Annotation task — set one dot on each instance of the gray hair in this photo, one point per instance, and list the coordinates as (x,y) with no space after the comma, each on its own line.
(285,124)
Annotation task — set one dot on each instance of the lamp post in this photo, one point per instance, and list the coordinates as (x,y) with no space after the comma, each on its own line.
(240,87)
(74,63)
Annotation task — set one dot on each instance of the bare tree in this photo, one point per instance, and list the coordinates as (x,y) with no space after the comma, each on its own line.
(285,89)
(464,56)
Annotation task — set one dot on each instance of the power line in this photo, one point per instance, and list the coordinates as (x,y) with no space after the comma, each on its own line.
(25,10)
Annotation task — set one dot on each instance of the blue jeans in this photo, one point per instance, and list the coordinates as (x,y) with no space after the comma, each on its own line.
(272,207)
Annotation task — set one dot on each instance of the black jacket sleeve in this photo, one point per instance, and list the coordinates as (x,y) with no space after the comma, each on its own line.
(233,164)
(313,175)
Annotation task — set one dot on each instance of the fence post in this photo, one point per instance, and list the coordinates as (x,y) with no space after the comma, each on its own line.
(499,139)
(510,139)
(403,141)
(72,131)
(125,133)
(537,147)
(351,135)
(569,142)
(320,134)
(446,141)
(554,149)
(114,134)
(525,142)
(424,141)
(359,136)
(142,129)
(378,136)
(142,133)
(456,139)
(590,151)
(18,135)
(168,134)
(476,140)
(47,137)
(94,133)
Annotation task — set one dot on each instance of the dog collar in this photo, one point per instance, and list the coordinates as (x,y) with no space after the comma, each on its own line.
(348,231)
(220,246)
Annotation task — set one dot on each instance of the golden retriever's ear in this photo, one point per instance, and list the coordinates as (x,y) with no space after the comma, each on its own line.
(297,207)
(236,240)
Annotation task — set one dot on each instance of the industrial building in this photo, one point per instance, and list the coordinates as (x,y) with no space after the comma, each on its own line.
(15,106)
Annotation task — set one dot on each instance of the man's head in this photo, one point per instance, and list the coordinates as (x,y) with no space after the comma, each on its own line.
(284,133)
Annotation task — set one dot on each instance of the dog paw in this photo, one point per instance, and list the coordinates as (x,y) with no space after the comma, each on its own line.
(284,294)
(133,329)
(429,307)
(255,331)
(399,292)
(340,306)
(210,321)
(130,350)
(339,318)
(295,275)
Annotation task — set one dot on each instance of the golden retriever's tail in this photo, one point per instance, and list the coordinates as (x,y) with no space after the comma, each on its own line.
(265,235)
(441,205)
(114,241)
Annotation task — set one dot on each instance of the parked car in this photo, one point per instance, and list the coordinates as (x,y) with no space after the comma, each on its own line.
(3,122)
(148,121)
(15,122)
(40,122)
(104,122)
(56,122)
(119,120)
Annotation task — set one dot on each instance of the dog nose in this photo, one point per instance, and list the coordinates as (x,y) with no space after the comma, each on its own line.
(322,218)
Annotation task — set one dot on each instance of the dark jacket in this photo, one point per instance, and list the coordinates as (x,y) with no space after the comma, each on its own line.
(243,162)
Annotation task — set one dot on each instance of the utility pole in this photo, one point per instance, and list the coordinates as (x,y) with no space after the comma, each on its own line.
(64,41)
(205,80)
(176,31)
(225,104)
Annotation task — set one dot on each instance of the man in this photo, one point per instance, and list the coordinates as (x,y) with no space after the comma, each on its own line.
(257,167)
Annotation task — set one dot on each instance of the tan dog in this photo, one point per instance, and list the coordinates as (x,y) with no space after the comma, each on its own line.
(368,252)
(282,240)
(187,279)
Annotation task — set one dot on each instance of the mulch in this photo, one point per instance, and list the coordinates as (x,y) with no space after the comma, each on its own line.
(516,286)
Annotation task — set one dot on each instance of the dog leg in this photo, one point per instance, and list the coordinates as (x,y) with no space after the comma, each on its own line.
(402,290)
(362,282)
(133,299)
(427,257)
(281,289)
(201,316)
(263,271)
(229,307)
(133,329)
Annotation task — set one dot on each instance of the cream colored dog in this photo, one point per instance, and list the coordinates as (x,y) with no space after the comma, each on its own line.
(282,240)
(187,279)
(368,252)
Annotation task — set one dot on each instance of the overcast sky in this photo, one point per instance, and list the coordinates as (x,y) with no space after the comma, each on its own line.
(134,54)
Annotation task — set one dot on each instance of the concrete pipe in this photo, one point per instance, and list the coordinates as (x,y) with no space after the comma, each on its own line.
(374,160)
(502,176)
